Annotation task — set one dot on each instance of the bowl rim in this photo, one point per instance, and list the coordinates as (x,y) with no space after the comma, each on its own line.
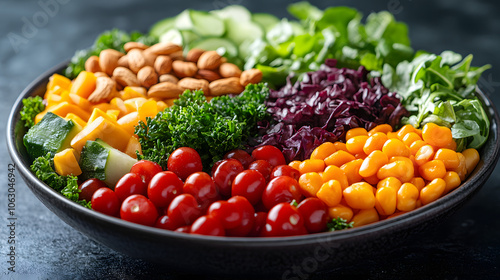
(448,201)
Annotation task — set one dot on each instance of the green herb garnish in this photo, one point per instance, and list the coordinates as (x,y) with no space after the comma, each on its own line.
(31,107)
(338,224)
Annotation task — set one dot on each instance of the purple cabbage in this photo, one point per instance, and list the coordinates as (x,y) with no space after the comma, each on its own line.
(323,106)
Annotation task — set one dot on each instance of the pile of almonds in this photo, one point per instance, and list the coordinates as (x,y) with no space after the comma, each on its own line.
(164,72)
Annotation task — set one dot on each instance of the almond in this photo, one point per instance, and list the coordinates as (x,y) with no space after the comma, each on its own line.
(228,70)
(150,57)
(125,77)
(100,74)
(168,78)
(104,91)
(184,69)
(123,61)
(134,45)
(194,54)
(92,64)
(165,90)
(163,64)
(250,76)
(179,55)
(208,75)
(136,60)
(226,86)
(210,60)
(164,48)
(108,60)
(147,76)
(194,84)
(118,85)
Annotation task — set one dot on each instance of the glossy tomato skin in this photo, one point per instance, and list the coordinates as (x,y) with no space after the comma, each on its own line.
(224,175)
(184,229)
(139,209)
(285,170)
(183,210)
(227,213)
(129,184)
(202,187)
(315,214)
(263,166)
(283,220)
(207,225)
(243,157)
(281,189)
(88,188)
(259,224)
(164,187)
(184,161)
(104,200)
(164,222)
(247,217)
(250,184)
(146,169)
(269,153)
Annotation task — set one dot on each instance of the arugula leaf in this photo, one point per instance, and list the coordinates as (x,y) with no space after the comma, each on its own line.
(338,224)
(31,107)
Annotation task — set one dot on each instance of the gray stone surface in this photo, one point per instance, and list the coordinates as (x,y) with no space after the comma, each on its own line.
(466,245)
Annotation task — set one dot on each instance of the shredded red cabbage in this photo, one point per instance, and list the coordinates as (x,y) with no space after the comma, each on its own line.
(323,106)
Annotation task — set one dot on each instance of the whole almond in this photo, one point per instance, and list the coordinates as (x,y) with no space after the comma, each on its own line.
(92,64)
(134,45)
(209,60)
(208,75)
(179,55)
(164,48)
(163,64)
(147,76)
(194,54)
(194,84)
(228,70)
(250,76)
(226,86)
(100,74)
(108,60)
(125,77)
(183,69)
(104,91)
(136,60)
(123,61)
(168,78)
(165,90)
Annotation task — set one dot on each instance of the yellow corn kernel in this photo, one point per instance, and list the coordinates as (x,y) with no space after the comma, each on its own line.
(407,197)
(432,170)
(355,144)
(359,196)
(339,158)
(311,165)
(340,211)
(333,172)
(323,151)
(375,142)
(330,193)
(452,180)
(471,159)
(365,217)
(392,182)
(385,200)
(372,163)
(351,171)
(310,183)
(432,191)
(394,147)
(384,128)
(353,132)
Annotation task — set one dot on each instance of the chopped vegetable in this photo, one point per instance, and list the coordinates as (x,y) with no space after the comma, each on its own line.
(338,224)
(31,107)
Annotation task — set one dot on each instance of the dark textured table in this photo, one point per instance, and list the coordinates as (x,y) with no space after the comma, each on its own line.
(36,35)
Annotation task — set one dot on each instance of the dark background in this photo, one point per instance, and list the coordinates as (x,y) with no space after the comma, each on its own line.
(463,246)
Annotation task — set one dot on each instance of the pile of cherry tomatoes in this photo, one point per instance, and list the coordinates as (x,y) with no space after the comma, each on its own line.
(245,195)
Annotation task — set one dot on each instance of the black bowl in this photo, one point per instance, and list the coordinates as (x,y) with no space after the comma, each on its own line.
(288,256)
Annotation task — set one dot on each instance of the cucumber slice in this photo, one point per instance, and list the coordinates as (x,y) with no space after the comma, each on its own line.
(162,26)
(236,12)
(200,22)
(222,46)
(179,37)
(241,31)
(266,21)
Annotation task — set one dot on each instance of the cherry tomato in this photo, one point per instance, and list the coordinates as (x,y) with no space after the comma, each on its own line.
(214,167)
(263,166)
(269,153)
(285,170)
(183,210)
(243,157)
(260,222)
(184,161)
(104,200)
(207,225)
(185,229)
(315,214)
(250,184)
(281,189)
(129,184)
(224,175)
(164,187)
(139,209)
(164,222)
(88,188)
(227,213)
(284,220)
(202,187)
(146,169)
(247,217)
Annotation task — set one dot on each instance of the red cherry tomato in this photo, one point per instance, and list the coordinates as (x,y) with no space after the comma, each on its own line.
(315,214)
(184,161)
(207,225)
(214,167)
(247,217)
(139,209)
(104,200)
(250,184)
(88,188)
(227,213)
(164,187)
(224,175)
(243,157)
(281,189)
(284,220)
(164,222)
(129,184)
(259,224)
(185,229)
(263,166)
(146,169)
(269,153)
(202,187)
(183,210)
(285,170)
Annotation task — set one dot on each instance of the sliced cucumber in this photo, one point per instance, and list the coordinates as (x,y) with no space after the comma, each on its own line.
(236,12)
(179,37)
(266,21)
(162,26)
(222,46)
(241,31)
(200,22)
